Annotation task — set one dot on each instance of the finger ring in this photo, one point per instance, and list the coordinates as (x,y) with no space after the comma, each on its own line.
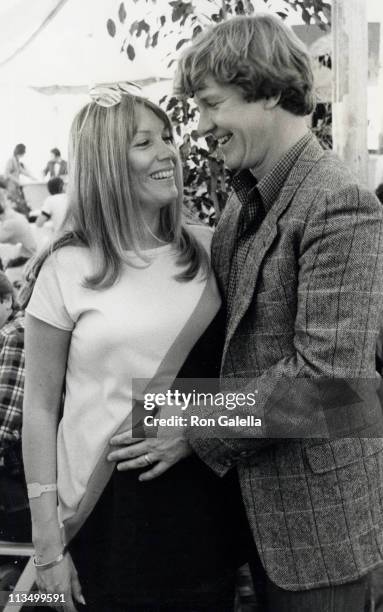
(146,457)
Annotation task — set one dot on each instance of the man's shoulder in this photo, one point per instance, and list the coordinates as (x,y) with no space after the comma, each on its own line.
(330,172)
(330,181)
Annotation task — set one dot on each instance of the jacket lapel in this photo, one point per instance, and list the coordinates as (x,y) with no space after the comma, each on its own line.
(224,241)
(263,239)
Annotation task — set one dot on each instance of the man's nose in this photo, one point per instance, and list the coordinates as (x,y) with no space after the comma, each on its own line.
(205,124)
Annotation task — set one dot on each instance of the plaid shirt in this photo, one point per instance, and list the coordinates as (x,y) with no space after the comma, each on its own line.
(11,381)
(257,199)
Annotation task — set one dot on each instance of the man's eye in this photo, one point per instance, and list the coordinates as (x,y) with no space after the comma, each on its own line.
(168,139)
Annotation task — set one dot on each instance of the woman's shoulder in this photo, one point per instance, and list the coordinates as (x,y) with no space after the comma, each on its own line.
(202,233)
(69,259)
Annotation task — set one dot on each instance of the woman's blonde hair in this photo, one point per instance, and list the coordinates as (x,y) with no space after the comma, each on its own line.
(103,213)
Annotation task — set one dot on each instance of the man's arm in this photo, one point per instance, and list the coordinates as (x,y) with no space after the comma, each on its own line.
(340,287)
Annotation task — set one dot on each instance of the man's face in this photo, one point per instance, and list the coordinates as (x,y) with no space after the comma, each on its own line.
(243,129)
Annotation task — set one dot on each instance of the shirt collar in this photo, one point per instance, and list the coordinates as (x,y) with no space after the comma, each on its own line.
(271,184)
(245,183)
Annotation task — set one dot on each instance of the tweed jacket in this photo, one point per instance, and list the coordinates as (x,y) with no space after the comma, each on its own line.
(306,307)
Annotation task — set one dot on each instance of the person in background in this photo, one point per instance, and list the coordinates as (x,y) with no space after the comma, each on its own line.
(14,507)
(55,206)
(15,168)
(14,270)
(56,166)
(15,228)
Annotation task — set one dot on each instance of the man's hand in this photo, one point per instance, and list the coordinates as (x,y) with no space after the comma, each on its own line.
(138,453)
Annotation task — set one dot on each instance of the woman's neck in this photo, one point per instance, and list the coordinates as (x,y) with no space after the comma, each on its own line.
(152,233)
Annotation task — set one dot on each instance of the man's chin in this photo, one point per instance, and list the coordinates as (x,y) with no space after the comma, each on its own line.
(231,164)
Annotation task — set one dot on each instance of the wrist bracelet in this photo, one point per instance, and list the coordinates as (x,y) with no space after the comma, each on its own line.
(35,489)
(49,564)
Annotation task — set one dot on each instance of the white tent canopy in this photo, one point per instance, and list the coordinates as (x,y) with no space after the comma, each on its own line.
(60,47)
(73,47)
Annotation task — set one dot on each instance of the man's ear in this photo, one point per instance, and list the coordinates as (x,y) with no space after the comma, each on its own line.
(271,102)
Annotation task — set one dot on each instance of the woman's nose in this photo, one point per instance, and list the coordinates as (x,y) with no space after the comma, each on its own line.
(166,151)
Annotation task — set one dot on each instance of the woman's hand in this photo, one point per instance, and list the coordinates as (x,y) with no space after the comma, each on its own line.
(135,453)
(61,579)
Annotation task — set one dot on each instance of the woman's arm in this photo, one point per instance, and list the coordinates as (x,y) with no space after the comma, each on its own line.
(46,356)
(26,172)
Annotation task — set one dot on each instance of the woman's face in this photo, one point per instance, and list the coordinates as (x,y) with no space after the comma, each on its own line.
(152,157)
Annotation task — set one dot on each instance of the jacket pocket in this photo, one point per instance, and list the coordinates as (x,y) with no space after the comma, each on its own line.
(339,453)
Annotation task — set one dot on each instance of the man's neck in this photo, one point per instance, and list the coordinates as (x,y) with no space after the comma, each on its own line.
(287,132)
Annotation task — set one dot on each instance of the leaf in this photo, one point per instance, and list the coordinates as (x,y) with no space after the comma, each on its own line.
(281,14)
(122,13)
(142,26)
(179,11)
(155,39)
(327,13)
(162,20)
(194,135)
(111,27)
(131,52)
(171,62)
(172,103)
(197,30)
(181,42)
(163,99)
(306,16)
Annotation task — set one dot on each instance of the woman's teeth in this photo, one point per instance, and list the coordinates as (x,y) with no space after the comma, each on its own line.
(163,174)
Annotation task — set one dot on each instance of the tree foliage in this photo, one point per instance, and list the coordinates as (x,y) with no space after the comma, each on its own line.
(205,178)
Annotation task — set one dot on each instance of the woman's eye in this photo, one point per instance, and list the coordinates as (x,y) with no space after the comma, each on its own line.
(142,143)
